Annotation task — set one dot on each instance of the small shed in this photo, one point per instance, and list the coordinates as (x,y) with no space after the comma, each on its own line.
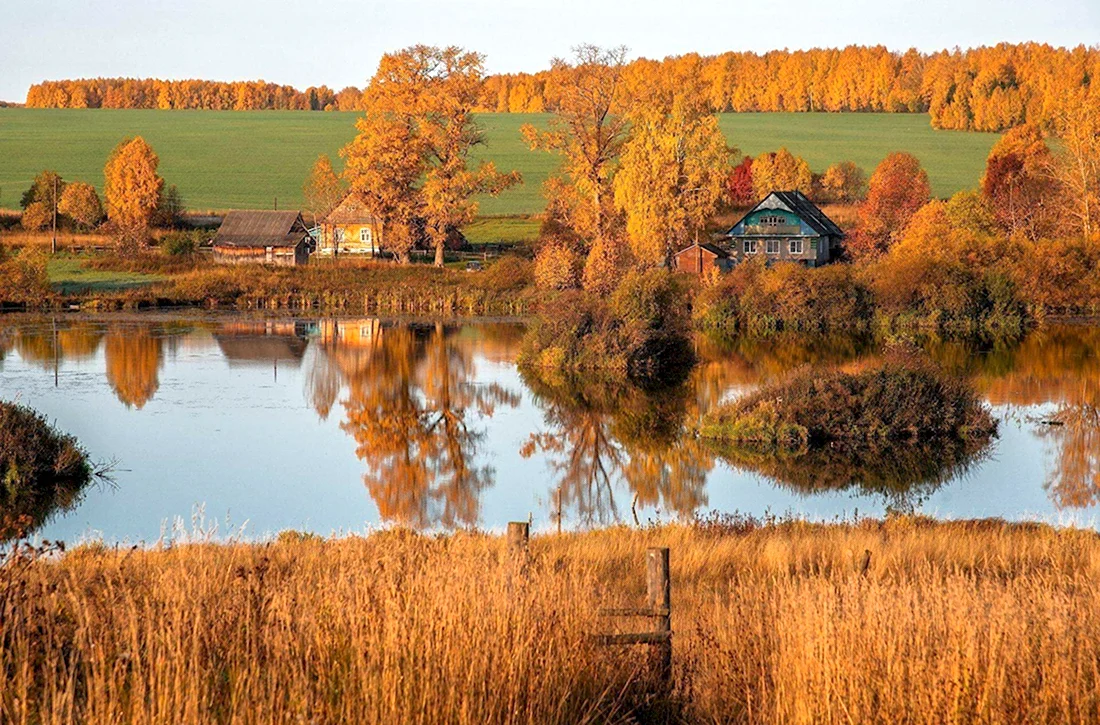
(698,258)
(263,237)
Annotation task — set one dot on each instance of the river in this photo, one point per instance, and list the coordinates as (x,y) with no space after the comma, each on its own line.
(243,426)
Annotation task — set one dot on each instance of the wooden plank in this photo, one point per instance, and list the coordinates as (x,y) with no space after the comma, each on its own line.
(633,612)
(629,638)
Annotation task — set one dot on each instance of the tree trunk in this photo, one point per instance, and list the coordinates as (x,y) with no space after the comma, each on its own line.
(439,246)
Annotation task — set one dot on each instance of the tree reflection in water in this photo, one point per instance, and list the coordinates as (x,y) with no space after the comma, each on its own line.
(598,433)
(412,407)
(1058,366)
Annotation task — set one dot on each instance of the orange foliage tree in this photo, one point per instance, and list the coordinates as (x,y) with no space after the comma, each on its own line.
(781,171)
(898,188)
(1018,182)
(410,160)
(588,130)
(674,165)
(133,187)
(80,203)
(322,189)
(843,182)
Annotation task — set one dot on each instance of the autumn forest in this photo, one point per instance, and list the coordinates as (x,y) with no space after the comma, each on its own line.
(981,89)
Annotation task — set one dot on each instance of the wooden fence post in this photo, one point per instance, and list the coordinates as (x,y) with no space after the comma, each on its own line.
(519,534)
(659,590)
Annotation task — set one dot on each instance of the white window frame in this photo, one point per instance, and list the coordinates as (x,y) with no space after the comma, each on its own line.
(364,235)
(769,244)
(800,246)
(338,235)
(749,246)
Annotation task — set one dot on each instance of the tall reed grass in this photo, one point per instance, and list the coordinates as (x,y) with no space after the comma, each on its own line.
(949,623)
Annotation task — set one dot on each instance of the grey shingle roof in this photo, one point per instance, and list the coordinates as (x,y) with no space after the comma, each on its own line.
(261,229)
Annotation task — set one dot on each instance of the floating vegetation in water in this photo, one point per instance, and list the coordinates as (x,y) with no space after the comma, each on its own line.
(900,429)
(904,398)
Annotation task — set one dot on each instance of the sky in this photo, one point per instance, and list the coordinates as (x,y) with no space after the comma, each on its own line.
(338,42)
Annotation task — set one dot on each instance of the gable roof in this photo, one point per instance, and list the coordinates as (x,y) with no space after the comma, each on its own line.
(797,203)
(261,229)
(707,246)
(351,210)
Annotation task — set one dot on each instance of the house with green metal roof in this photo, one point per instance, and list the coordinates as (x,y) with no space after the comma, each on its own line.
(785,226)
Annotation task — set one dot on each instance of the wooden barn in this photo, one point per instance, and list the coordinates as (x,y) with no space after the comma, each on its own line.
(263,237)
(786,226)
(698,258)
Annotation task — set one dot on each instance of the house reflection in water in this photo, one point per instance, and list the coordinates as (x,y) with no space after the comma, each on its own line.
(264,343)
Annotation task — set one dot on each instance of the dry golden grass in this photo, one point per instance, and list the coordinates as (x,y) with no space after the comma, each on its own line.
(976,622)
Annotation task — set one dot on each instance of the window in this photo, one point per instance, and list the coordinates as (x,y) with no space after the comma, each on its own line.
(772,246)
(750,246)
(772,220)
(796,246)
(338,235)
(364,235)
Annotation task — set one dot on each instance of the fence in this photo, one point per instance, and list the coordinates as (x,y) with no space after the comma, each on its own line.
(658,600)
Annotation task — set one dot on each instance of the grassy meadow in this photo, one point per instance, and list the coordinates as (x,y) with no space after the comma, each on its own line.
(788,622)
(233,159)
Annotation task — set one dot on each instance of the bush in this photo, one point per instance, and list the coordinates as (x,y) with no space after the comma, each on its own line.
(785,296)
(906,398)
(181,244)
(41,470)
(37,216)
(640,331)
(557,267)
(23,278)
(509,273)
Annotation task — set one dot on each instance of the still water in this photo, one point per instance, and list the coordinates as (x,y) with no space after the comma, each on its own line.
(340,425)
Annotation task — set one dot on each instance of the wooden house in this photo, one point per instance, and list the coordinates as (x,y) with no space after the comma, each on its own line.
(263,237)
(350,229)
(786,226)
(698,258)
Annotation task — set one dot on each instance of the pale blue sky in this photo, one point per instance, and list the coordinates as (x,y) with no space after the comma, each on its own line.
(338,42)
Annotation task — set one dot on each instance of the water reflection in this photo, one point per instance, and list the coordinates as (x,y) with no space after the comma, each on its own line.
(413,408)
(597,431)
(903,474)
(419,400)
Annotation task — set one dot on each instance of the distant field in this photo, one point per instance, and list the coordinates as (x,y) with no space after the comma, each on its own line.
(234,159)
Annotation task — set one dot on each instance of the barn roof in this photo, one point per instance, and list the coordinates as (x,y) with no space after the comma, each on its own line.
(712,248)
(796,202)
(261,229)
(351,210)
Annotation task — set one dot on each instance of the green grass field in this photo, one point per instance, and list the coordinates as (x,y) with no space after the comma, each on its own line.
(68,275)
(226,159)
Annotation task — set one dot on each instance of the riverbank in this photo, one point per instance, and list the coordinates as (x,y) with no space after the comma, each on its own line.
(977,621)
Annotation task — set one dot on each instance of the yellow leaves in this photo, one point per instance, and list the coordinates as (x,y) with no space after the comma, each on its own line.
(80,202)
(132,187)
(410,157)
(780,171)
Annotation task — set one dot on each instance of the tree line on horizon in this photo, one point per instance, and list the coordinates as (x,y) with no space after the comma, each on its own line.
(981,89)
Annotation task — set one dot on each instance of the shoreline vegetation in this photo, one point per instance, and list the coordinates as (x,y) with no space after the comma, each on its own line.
(905,398)
(772,621)
(42,471)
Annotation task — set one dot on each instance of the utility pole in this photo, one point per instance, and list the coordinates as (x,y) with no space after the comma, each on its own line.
(53,241)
